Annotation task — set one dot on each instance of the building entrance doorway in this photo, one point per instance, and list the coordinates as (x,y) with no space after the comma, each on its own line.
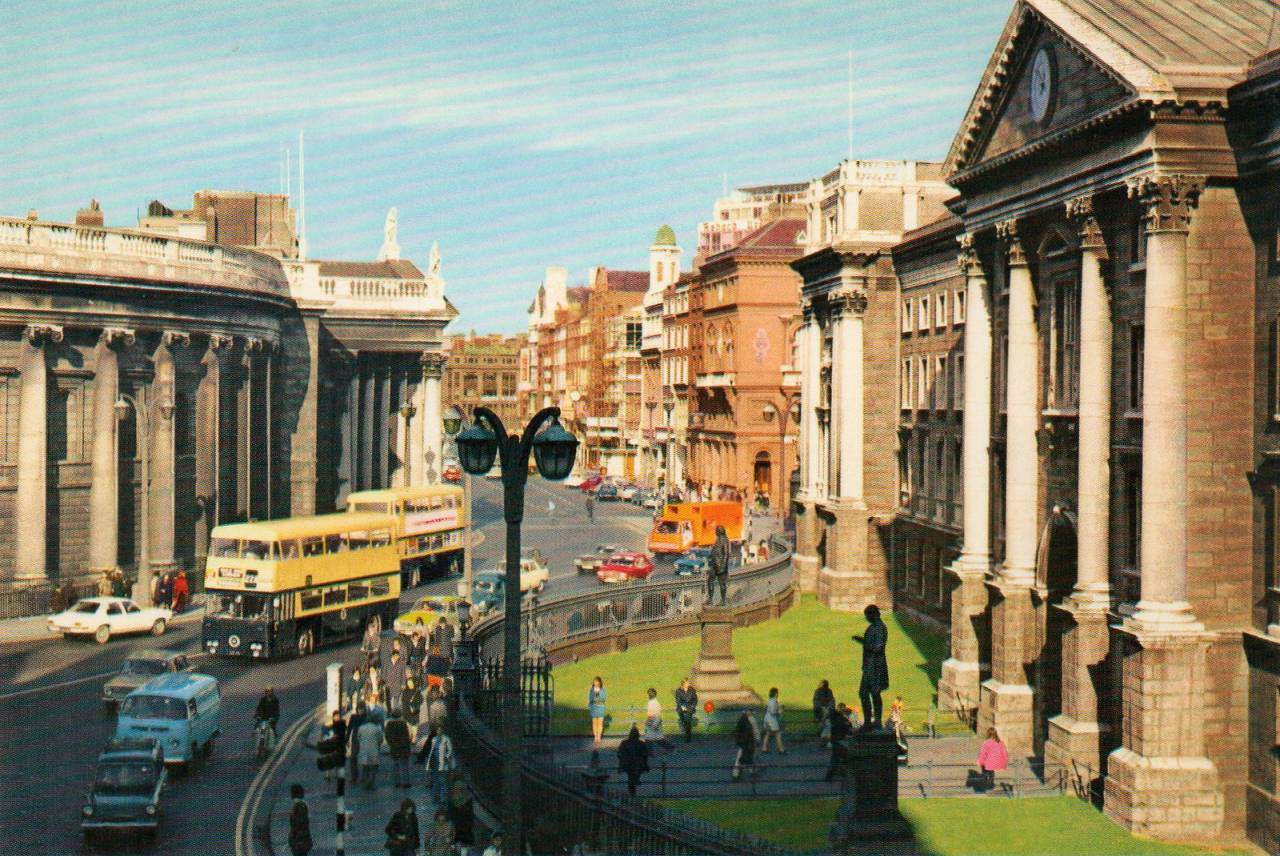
(762,476)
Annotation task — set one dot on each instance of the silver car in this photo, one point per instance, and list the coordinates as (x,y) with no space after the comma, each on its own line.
(140,667)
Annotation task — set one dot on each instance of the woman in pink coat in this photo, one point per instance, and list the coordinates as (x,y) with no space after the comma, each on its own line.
(992,757)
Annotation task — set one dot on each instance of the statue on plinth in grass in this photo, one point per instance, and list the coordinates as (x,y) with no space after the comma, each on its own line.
(875,668)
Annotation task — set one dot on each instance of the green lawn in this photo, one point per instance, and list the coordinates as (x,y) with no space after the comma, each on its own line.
(979,826)
(808,643)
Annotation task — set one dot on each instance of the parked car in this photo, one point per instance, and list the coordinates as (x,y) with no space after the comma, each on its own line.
(627,491)
(429,611)
(693,563)
(647,499)
(140,667)
(590,483)
(607,493)
(104,617)
(624,567)
(451,472)
(588,563)
(127,784)
(180,710)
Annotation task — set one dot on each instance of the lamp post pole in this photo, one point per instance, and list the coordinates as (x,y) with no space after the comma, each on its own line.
(142,439)
(452,425)
(554,453)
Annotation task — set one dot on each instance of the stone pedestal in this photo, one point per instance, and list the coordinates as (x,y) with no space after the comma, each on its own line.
(1007,702)
(847,582)
(1074,734)
(958,686)
(1159,783)
(716,676)
(869,821)
(805,558)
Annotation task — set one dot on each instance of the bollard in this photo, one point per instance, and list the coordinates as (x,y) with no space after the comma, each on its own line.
(333,690)
(340,817)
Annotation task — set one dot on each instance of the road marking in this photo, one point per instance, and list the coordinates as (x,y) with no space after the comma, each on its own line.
(258,787)
(76,681)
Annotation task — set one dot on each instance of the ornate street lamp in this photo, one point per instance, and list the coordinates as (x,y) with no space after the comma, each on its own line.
(452,422)
(554,450)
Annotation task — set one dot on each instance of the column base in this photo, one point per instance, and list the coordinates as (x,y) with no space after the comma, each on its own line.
(960,688)
(1074,746)
(848,582)
(1010,710)
(1073,738)
(805,570)
(1166,798)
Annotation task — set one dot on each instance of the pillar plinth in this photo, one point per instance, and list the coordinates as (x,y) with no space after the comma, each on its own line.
(846,582)
(959,683)
(805,558)
(716,676)
(1006,702)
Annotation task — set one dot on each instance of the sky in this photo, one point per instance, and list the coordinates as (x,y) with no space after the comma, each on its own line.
(516,134)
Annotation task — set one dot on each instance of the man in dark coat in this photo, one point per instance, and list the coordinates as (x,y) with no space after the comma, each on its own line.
(633,759)
(718,566)
(299,822)
(875,668)
(840,728)
(686,707)
(402,831)
(399,742)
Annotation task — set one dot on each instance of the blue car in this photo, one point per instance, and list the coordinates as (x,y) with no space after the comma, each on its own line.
(126,789)
(693,563)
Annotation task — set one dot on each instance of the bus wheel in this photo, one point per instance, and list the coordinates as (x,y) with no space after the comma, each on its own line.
(306,643)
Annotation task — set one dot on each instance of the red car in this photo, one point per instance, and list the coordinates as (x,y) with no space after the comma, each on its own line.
(591,483)
(452,473)
(621,567)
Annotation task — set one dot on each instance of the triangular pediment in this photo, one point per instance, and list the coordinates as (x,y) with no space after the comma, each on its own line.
(1005,115)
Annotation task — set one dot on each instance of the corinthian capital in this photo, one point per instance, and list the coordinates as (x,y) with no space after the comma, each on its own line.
(1007,231)
(848,302)
(1080,211)
(968,259)
(117,337)
(39,334)
(1169,199)
(220,342)
(175,337)
(433,364)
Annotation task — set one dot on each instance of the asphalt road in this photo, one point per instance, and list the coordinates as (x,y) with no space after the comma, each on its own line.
(52,723)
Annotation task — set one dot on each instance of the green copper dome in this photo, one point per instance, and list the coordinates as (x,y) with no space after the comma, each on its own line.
(666,237)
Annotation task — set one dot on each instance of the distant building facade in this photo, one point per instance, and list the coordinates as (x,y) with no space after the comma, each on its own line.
(484,371)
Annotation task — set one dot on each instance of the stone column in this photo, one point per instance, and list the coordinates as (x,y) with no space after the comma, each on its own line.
(382,427)
(1073,734)
(348,433)
(1006,701)
(368,444)
(305,445)
(104,501)
(432,416)
(805,558)
(30,501)
(1160,782)
(416,472)
(958,688)
(847,582)
(160,500)
(209,442)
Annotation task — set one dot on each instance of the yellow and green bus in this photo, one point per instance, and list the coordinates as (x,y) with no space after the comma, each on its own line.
(431,527)
(281,587)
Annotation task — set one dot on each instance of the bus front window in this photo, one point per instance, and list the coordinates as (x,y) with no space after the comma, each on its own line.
(225,548)
(257,549)
(243,605)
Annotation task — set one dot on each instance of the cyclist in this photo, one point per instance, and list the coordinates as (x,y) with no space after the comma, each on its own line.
(268,711)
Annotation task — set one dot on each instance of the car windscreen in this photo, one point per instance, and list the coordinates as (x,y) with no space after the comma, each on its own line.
(154,707)
(143,667)
(126,777)
(89,606)
(668,527)
(429,606)
(485,585)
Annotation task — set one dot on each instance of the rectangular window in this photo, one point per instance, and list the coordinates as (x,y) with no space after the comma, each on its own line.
(312,599)
(1136,356)
(923,323)
(357,591)
(907,318)
(957,379)
(942,384)
(1065,335)
(958,307)
(904,384)
(926,382)
(940,311)
(335,596)
(380,587)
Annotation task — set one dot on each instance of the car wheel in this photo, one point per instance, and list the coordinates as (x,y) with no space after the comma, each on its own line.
(306,643)
(102,634)
(157,629)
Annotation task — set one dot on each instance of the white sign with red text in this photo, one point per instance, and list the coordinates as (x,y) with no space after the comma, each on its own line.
(419,522)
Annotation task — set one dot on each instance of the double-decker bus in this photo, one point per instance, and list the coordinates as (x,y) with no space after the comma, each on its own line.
(431,527)
(281,587)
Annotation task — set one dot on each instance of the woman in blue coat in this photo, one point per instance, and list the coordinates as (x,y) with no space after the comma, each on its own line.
(595,707)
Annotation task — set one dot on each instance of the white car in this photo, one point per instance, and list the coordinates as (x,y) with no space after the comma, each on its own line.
(533,572)
(103,617)
(572,480)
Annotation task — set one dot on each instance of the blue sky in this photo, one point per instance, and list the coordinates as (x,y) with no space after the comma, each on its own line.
(518,135)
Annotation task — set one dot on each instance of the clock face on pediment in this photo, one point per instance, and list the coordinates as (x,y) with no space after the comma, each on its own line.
(1051,86)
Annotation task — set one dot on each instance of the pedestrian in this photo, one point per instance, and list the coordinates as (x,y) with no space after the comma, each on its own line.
(181,592)
(595,708)
(58,600)
(718,566)
(440,837)
(462,812)
(686,708)
(436,709)
(156,589)
(992,758)
(299,822)
(838,728)
(591,509)
(742,550)
(896,713)
(411,703)
(633,759)
(402,831)
(399,744)
(394,676)
(437,668)
(372,685)
(653,717)
(823,700)
(105,587)
(357,687)
(446,642)
(418,649)
(745,737)
(495,845)
(763,550)
(875,668)
(118,588)
(166,591)
(439,758)
(752,552)
(370,743)
(338,733)
(773,722)
(358,716)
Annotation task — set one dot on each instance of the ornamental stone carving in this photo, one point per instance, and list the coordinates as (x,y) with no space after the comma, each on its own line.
(1169,199)
(852,302)
(220,342)
(175,337)
(111,337)
(39,334)
(433,365)
(1080,211)
(1007,231)
(968,259)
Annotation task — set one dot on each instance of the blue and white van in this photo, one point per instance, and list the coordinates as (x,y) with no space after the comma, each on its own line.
(179,710)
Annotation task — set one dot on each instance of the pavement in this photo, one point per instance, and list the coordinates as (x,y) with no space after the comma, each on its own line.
(937,767)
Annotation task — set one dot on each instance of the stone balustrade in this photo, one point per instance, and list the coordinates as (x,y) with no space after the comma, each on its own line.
(117,253)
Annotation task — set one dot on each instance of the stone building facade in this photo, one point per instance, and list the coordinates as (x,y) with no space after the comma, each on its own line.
(926,531)
(247,385)
(745,392)
(484,371)
(664,269)
(1113,602)
(848,353)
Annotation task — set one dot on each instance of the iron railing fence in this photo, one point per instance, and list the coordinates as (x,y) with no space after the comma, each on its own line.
(628,606)
(564,809)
